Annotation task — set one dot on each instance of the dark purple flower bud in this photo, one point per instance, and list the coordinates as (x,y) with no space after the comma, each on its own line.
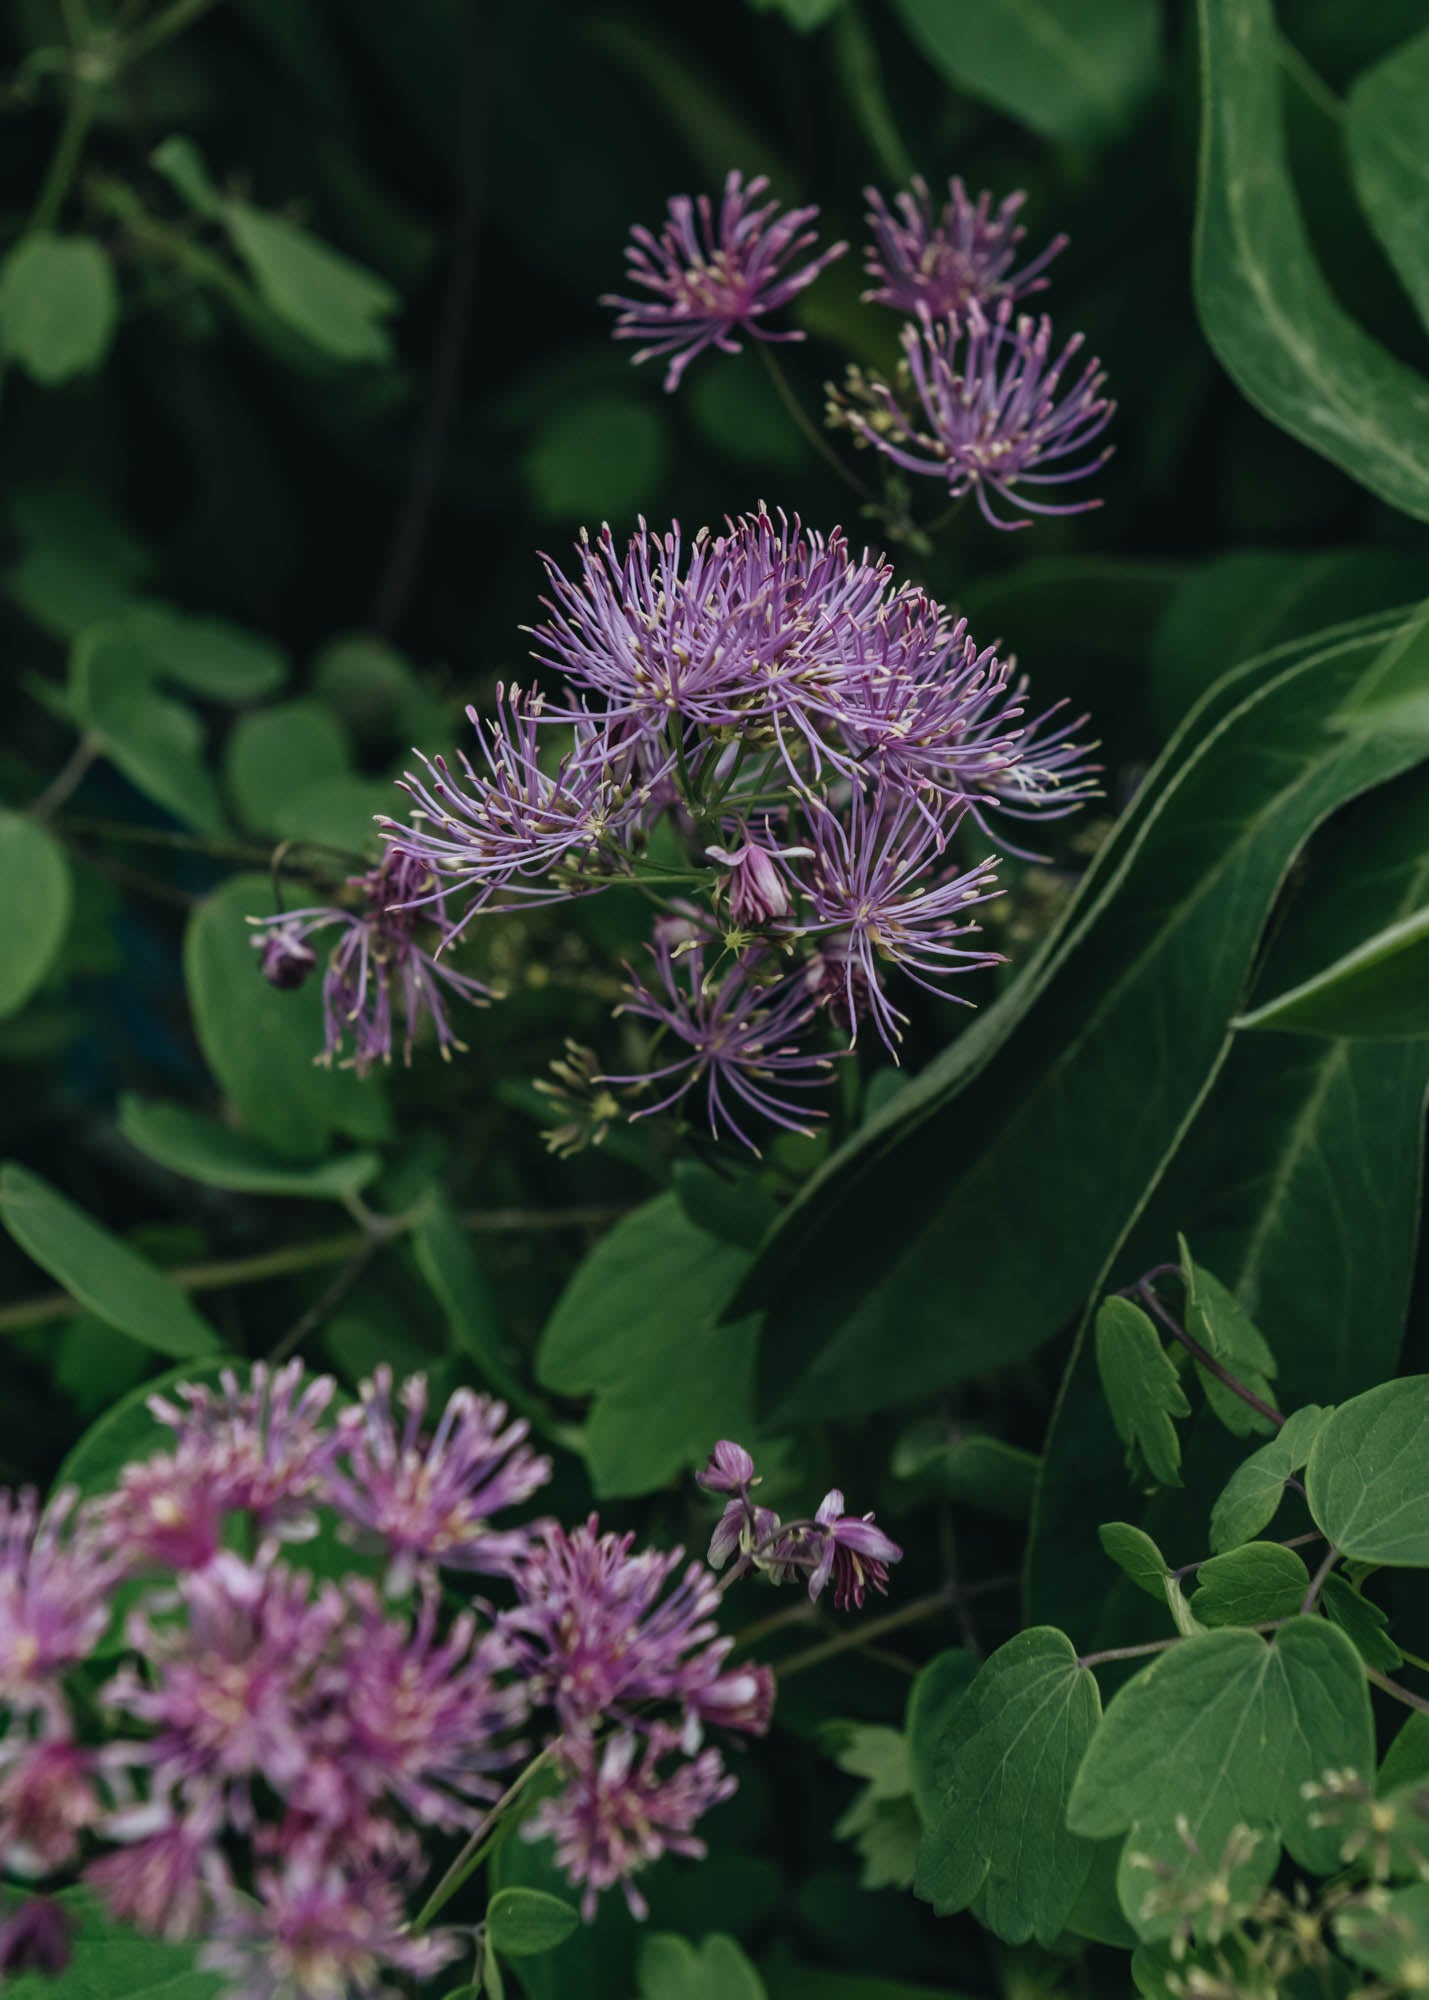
(854,1553)
(284,957)
(34,1938)
(730,1470)
(711,275)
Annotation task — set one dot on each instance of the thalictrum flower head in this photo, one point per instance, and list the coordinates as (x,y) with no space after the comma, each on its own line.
(712,273)
(730,1469)
(882,894)
(737,1039)
(158,1877)
(617,1811)
(47,1800)
(939,263)
(55,1585)
(992,414)
(755,891)
(431,1496)
(601,1632)
(851,1551)
(285,957)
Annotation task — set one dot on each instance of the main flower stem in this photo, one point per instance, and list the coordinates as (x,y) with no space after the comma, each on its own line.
(809,428)
(473,1852)
(860,1636)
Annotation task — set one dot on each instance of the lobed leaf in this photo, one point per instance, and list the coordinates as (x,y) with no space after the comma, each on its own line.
(1142,1387)
(1367,1479)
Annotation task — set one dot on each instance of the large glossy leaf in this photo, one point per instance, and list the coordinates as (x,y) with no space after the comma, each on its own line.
(1379,989)
(1069,69)
(1299,1185)
(262,1044)
(102,1272)
(637,1329)
(1263,303)
(1224,1730)
(1082,1103)
(1387,134)
(35,895)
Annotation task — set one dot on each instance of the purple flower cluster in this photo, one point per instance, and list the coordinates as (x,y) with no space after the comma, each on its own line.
(378,972)
(846,1550)
(282,1742)
(784,748)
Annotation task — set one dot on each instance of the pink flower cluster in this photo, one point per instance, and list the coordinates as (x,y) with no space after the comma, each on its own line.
(286,1725)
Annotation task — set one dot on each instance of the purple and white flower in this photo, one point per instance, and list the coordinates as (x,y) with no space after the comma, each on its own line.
(939,263)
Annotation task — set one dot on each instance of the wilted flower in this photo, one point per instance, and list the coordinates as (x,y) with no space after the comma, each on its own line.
(710,275)
(736,1038)
(879,885)
(941,263)
(602,1631)
(377,971)
(430,1497)
(617,1812)
(988,419)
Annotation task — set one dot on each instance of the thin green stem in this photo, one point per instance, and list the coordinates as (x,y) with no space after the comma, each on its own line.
(182,14)
(1147,1292)
(1400,1693)
(471,1855)
(69,150)
(809,428)
(1159,1646)
(861,1636)
(182,843)
(67,778)
(1317,1581)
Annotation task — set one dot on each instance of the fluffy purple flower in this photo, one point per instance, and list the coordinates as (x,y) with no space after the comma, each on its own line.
(413,1715)
(158,1878)
(881,891)
(47,1801)
(1048,774)
(165,1513)
(377,971)
(941,263)
(851,1551)
(228,1690)
(34,1938)
(710,275)
(507,823)
(617,1811)
(601,1632)
(55,1585)
(735,1037)
(430,1497)
(990,419)
(264,1445)
(313,1932)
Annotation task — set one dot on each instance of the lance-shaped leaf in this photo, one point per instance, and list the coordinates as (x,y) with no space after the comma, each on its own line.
(1254,1490)
(1221,1732)
(1004,1765)
(1381,989)
(1264,305)
(35,895)
(1394,700)
(219,1156)
(1143,1389)
(1387,135)
(1154,956)
(1367,1480)
(1250,1585)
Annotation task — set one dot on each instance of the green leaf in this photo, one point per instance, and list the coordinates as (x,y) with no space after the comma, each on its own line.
(36,891)
(337,812)
(1134,1552)
(940,1686)
(59,306)
(1388,144)
(215,1154)
(735,1208)
(78,565)
(636,1328)
(602,453)
(1216,1318)
(128,1431)
(275,754)
(1143,1389)
(1250,1585)
(671,1968)
(214,658)
(1221,1731)
(1367,1480)
(1076,70)
(1162,930)
(964,1463)
(1380,989)
(261,1044)
(1406,1761)
(1004,1765)
(1388,1933)
(1394,700)
(332,301)
(448,1261)
(108,1278)
(803,15)
(1264,306)
(1364,1624)
(883,1821)
(522,1922)
(109,1961)
(182,165)
(157,743)
(1255,1489)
